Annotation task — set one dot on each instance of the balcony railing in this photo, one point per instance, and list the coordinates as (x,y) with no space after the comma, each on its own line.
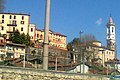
(11,24)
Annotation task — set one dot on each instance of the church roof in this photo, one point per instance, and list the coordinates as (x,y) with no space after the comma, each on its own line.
(110,20)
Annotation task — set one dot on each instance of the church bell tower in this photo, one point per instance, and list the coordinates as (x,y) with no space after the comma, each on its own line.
(111,34)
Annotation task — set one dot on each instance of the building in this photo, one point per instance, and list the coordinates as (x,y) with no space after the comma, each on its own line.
(11,50)
(14,50)
(55,39)
(103,53)
(9,22)
(77,69)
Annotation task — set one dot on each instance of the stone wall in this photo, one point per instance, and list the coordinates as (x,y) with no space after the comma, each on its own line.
(13,73)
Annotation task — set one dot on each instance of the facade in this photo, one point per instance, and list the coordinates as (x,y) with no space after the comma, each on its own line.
(55,39)
(32,31)
(11,50)
(9,22)
(104,54)
(14,50)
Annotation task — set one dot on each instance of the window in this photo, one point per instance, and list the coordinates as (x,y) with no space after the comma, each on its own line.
(13,28)
(1,41)
(108,30)
(59,40)
(14,22)
(10,21)
(22,49)
(41,36)
(22,17)
(2,28)
(31,29)
(10,17)
(22,22)
(112,52)
(14,17)
(10,34)
(2,21)
(109,53)
(16,48)
(3,16)
(31,37)
(37,35)
(112,29)
(21,28)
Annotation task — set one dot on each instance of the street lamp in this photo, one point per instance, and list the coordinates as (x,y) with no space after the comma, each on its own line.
(81,52)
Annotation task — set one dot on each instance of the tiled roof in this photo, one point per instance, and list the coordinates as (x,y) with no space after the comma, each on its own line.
(16,14)
(39,29)
(57,33)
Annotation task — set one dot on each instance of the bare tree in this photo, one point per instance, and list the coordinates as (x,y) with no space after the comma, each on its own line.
(78,41)
(87,38)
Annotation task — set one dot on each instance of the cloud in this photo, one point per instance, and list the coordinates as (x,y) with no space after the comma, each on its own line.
(99,21)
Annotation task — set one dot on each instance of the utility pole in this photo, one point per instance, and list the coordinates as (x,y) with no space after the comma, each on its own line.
(46,34)
(24,61)
(56,64)
(81,51)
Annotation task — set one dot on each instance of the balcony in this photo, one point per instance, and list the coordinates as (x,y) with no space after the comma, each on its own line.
(11,24)
(9,31)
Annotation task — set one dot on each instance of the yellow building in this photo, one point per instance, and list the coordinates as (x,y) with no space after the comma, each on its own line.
(55,39)
(104,53)
(9,22)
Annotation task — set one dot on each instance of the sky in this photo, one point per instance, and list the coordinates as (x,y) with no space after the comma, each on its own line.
(69,17)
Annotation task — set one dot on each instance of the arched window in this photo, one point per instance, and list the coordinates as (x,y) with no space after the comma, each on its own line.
(10,17)
(108,30)
(2,16)
(41,36)
(112,29)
